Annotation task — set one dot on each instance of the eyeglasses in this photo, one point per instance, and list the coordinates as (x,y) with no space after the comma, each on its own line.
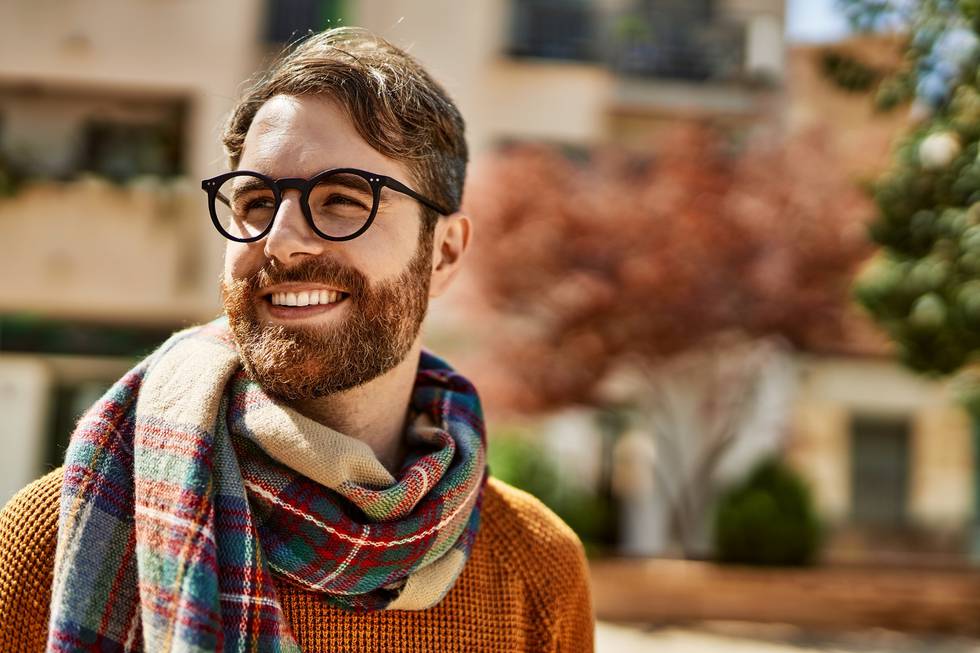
(339,204)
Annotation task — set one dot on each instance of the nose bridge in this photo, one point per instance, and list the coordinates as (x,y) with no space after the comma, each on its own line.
(296,183)
(290,235)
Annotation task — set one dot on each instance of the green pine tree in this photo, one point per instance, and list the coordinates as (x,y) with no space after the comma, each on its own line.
(923,286)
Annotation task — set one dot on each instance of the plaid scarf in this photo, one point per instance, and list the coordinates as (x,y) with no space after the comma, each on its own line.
(186,486)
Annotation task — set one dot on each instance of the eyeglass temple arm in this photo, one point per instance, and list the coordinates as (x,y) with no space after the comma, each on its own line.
(394,184)
(221,197)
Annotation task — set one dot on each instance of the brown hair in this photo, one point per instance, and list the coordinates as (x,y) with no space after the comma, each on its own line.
(393,102)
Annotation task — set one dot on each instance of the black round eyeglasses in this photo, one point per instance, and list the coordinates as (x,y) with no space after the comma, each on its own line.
(339,204)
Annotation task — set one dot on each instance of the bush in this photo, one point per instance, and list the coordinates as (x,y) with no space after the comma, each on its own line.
(768,519)
(521,462)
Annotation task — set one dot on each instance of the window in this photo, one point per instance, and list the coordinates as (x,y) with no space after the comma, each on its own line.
(55,133)
(879,470)
(121,150)
(675,39)
(672,39)
(554,29)
(287,20)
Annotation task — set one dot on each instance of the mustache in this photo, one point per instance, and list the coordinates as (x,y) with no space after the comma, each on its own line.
(311,270)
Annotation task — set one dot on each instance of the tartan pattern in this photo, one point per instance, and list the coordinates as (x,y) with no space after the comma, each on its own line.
(173,517)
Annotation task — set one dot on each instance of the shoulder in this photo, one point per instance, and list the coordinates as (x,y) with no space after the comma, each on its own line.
(28,538)
(31,515)
(515,509)
(29,526)
(528,539)
(531,538)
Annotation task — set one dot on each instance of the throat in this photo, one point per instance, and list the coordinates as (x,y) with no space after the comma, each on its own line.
(377,412)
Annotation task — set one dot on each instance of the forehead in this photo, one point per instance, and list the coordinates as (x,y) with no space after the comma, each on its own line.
(301,136)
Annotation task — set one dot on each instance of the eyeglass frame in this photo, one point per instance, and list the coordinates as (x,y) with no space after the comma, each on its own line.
(306,186)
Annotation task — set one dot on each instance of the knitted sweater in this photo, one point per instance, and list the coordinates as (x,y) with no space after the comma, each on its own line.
(525,586)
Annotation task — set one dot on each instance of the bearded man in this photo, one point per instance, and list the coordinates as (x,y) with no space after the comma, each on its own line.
(300,474)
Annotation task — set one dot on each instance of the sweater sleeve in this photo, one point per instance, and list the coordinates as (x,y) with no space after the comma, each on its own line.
(535,542)
(28,537)
(576,620)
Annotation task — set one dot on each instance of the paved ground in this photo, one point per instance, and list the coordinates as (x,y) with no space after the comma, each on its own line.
(740,637)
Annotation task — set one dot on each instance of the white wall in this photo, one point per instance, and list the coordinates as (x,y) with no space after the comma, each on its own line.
(25,385)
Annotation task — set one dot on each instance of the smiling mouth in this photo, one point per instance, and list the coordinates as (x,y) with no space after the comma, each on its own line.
(299,305)
(305,298)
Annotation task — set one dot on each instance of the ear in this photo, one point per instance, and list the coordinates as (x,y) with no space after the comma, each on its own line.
(450,241)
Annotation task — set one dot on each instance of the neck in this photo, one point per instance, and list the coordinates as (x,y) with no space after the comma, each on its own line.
(374,412)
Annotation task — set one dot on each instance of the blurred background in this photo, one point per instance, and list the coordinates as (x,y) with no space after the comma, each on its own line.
(722,303)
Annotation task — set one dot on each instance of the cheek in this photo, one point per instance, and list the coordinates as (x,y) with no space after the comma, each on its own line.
(242,260)
(390,261)
(388,246)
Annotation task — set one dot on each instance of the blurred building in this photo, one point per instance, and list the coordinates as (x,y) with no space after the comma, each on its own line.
(890,458)
(578,72)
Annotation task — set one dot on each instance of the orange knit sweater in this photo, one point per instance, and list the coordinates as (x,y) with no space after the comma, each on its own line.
(525,586)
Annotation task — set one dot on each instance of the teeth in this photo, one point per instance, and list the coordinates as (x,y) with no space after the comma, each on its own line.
(306,298)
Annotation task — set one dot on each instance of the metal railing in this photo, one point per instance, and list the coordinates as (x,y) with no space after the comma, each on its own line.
(669,39)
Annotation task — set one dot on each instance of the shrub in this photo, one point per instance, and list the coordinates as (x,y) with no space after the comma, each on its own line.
(768,519)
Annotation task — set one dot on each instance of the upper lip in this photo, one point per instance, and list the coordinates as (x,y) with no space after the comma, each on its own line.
(297,287)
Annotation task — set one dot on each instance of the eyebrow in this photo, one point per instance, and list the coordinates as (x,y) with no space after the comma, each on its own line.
(253,183)
(353,182)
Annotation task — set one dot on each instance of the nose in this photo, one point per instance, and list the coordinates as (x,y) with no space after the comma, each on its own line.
(291,238)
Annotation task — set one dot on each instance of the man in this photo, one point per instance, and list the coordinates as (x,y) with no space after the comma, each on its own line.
(300,474)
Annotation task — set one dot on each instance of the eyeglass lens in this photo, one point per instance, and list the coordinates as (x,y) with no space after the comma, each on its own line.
(340,205)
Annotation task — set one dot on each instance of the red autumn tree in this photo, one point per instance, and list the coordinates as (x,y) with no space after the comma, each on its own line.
(585,264)
(616,262)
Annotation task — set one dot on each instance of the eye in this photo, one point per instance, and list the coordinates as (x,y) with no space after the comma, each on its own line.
(250,203)
(259,203)
(344,200)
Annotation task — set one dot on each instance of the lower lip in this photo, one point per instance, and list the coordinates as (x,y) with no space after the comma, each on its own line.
(300,312)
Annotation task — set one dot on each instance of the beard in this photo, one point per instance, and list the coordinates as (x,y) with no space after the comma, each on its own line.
(295,363)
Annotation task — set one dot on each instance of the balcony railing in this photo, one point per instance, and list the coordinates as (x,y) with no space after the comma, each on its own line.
(691,53)
(91,249)
(554,29)
(672,40)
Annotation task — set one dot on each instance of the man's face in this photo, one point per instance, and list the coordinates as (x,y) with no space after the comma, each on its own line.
(384,274)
